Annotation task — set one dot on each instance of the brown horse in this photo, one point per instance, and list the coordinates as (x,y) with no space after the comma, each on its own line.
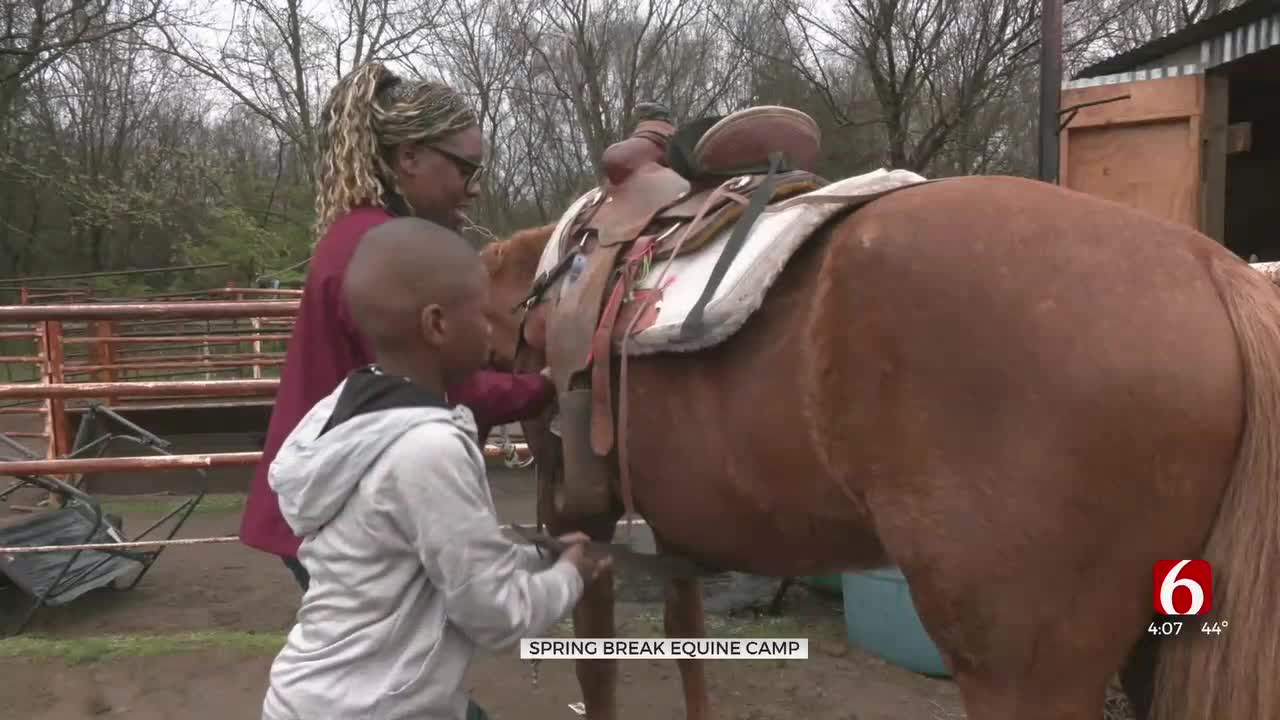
(1020,395)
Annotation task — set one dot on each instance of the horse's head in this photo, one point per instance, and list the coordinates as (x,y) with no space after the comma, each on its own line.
(512,266)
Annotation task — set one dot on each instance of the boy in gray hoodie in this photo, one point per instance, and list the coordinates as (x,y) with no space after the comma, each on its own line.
(386,484)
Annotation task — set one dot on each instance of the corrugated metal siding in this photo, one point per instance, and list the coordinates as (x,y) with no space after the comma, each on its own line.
(1246,40)
(1193,60)
(1124,77)
(1189,55)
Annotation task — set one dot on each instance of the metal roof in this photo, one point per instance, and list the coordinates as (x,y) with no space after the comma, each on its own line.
(1230,35)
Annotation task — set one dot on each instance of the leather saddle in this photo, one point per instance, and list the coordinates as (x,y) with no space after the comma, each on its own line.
(661,175)
(666,191)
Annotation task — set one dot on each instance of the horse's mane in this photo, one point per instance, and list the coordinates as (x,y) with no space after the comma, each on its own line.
(522,250)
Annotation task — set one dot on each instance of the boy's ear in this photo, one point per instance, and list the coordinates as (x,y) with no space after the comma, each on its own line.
(432,325)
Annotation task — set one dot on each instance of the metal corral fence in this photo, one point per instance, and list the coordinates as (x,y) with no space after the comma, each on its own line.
(219,347)
(146,348)
(111,356)
(216,347)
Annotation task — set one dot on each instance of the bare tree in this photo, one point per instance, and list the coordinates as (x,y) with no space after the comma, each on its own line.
(143,131)
(397,31)
(35,34)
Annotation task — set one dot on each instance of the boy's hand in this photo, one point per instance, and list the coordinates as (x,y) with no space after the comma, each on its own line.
(589,567)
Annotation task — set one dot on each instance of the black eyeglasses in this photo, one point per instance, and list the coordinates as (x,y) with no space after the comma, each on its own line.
(469,169)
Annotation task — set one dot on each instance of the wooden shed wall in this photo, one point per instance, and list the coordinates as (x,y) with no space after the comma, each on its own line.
(1143,151)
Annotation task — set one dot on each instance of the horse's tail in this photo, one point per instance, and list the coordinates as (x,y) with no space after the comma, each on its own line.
(1232,674)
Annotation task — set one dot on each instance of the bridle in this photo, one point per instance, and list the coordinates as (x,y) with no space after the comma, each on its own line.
(537,294)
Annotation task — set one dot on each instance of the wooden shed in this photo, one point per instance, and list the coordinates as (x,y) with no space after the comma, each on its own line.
(1187,127)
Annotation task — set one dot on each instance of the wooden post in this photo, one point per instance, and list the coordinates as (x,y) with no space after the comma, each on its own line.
(257,346)
(256,324)
(204,349)
(104,353)
(55,416)
(1050,87)
(1213,161)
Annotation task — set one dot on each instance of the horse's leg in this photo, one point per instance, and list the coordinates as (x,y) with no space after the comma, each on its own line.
(775,605)
(1138,675)
(598,679)
(1016,651)
(593,616)
(1033,617)
(683,618)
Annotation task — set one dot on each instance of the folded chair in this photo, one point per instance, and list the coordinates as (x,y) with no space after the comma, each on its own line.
(52,579)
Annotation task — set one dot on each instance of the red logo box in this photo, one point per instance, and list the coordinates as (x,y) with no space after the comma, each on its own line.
(1182,587)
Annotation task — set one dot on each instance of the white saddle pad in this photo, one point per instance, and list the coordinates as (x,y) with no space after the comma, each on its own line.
(779,231)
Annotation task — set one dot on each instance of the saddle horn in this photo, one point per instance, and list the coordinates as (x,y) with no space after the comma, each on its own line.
(646,144)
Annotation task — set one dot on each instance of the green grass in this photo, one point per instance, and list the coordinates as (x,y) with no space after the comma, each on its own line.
(17,371)
(210,505)
(97,649)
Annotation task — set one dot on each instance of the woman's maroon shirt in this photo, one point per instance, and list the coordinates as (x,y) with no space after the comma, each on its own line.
(325,346)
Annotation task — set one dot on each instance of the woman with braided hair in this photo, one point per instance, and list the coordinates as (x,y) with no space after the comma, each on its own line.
(407,147)
(389,147)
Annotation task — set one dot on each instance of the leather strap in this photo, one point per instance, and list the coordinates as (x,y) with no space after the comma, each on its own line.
(693,323)
(544,281)
(602,366)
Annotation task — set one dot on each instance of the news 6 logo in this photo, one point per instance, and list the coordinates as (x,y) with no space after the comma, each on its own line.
(1183,587)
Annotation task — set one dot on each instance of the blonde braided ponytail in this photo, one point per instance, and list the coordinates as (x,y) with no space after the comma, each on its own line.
(369,112)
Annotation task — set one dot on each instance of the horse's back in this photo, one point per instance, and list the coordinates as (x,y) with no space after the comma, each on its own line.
(1033,278)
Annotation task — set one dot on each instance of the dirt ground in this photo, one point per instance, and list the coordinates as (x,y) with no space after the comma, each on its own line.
(195,639)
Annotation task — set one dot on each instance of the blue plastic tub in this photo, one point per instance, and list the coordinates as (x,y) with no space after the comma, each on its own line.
(882,620)
(826,584)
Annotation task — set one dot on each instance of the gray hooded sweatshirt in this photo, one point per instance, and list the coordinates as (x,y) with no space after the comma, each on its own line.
(409,568)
